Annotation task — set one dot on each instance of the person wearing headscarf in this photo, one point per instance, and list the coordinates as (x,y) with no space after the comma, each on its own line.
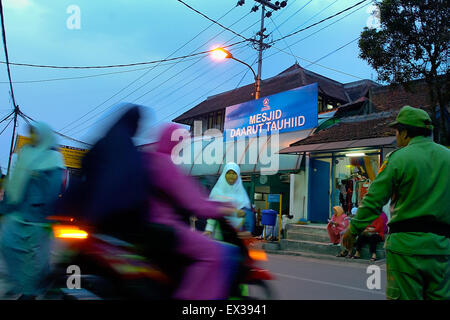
(113,190)
(31,191)
(337,224)
(176,197)
(229,188)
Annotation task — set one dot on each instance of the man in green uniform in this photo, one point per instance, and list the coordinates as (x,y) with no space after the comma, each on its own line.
(416,178)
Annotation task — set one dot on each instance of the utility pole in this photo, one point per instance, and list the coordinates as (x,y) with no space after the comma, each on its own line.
(261,46)
(16,107)
(260,50)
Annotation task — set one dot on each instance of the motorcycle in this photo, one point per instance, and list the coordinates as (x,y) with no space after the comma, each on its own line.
(111,268)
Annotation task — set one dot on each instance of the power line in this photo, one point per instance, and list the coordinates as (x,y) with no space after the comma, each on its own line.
(187,82)
(315,62)
(305,38)
(6,118)
(310,35)
(5,47)
(301,8)
(98,106)
(160,74)
(7,125)
(282,36)
(212,20)
(115,65)
(332,52)
(311,63)
(321,21)
(96,75)
(313,16)
(25,117)
(226,81)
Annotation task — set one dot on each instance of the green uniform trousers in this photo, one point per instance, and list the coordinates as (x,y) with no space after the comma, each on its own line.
(417,277)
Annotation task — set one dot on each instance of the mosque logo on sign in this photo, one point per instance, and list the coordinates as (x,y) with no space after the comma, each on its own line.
(266,105)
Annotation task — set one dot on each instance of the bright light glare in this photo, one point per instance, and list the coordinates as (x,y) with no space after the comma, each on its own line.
(69,232)
(355,154)
(258,255)
(219,54)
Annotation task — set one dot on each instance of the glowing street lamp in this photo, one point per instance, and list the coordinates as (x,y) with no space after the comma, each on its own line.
(222,54)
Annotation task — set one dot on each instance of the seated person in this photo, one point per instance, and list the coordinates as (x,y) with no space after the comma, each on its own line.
(373,234)
(337,225)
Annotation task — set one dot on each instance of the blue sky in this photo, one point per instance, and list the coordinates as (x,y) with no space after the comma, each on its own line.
(130,31)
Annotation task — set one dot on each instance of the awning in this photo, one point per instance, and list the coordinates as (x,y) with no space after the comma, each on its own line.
(338,145)
(285,162)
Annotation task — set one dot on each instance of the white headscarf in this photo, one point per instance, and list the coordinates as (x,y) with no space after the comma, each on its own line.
(44,156)
(235,193)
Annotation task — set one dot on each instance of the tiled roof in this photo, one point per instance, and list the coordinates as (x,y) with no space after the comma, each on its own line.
(291,78)
(359,89)
(354,128)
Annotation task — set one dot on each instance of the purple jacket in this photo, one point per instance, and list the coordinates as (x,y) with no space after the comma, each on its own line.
(181,188)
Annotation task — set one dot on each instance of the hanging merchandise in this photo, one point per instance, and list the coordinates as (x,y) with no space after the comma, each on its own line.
(369,168)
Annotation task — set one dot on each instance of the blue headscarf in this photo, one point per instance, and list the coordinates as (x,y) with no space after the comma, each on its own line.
(41,157)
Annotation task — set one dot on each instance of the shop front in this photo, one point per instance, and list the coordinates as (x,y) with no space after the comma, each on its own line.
(339,173)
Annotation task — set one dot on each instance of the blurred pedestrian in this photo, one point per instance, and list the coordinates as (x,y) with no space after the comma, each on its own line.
(31,191)
(229,188)
(112,193)
(175,198)
(415,178)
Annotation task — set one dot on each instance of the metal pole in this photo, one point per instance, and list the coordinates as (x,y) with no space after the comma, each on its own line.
(261,39)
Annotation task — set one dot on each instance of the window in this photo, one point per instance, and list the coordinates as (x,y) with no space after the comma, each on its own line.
(219,120)
(210,121)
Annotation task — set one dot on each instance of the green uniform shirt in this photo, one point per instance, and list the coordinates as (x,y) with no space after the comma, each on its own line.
(417,179)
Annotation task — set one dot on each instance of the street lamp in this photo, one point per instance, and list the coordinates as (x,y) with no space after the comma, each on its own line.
(221,54)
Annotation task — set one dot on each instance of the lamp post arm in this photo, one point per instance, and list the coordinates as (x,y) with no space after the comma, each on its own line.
(254,74)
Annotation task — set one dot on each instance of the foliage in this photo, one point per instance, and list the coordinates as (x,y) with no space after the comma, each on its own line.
(412,43)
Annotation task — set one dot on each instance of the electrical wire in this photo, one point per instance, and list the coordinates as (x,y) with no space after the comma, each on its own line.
(96,75)
(332,52)
(98,106)
(312,62)
(206,94)
(5,47)
(319,22)
(283,39)
(116,65)
(317,64)
(314,33)
(6,118)
(301,8)
(178,74)
(7,125)
(25,117)
(212,20)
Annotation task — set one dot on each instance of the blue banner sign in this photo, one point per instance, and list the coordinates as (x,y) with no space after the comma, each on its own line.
(292,110)
(273,198)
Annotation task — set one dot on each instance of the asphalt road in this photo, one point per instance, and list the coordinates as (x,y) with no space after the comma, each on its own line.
(300,278)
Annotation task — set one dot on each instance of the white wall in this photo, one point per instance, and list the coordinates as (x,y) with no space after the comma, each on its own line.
(298,205)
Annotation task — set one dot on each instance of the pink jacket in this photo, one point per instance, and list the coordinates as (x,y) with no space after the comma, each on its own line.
(182,189)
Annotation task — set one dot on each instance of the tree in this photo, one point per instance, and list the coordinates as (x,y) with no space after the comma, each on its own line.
(412,43)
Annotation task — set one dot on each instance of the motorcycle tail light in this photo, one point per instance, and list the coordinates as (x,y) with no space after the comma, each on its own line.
(69,232)
(259,255)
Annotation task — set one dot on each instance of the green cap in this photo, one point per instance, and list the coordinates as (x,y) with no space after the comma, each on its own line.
(413,117)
